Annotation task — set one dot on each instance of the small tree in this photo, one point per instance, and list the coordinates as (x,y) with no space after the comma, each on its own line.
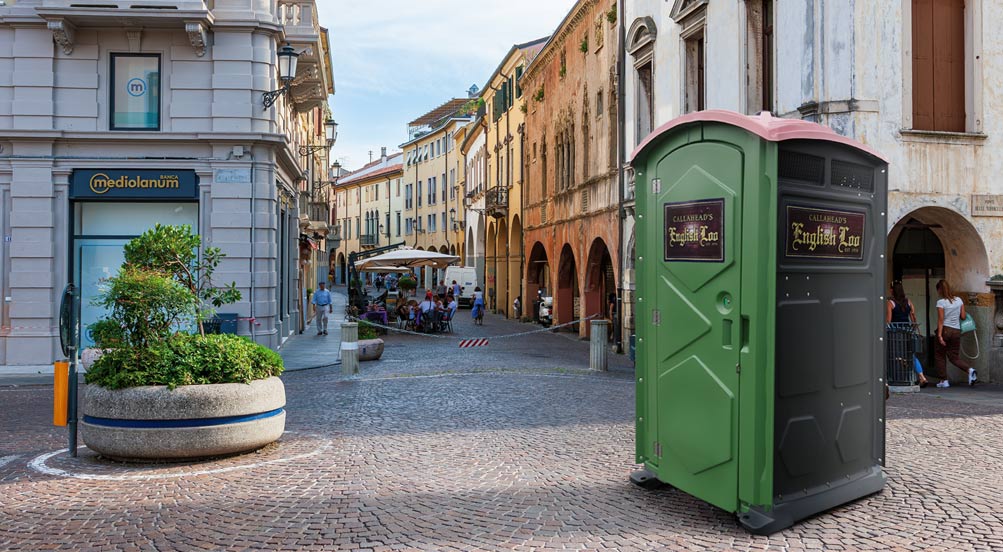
(172,252)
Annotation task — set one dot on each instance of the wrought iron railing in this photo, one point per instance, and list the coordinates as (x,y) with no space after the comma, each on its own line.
(496,201)
(369,240)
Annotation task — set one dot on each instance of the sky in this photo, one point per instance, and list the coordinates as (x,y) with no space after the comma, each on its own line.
(395,60)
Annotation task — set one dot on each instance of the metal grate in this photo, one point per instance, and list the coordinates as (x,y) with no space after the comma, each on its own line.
(852,176)
(801,167)
(543,213)
(585,201)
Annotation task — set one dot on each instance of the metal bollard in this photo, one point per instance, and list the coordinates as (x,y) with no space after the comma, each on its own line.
(597,345)
(349,348)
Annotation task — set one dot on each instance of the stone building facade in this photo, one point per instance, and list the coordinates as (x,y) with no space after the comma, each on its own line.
(114,118)
(914,79)
(370,209)
(506,106)
(572,221)
(431,161)
(473,148)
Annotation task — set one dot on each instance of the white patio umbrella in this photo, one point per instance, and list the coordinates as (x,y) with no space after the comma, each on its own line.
(407,258)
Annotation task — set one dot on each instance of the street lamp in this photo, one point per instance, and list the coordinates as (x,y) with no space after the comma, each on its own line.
(331,131)
(288,58)
(456,223)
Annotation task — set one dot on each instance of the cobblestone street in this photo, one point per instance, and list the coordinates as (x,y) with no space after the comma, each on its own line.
(507,447)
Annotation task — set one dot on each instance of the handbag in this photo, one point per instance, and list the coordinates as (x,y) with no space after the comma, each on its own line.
(968,324)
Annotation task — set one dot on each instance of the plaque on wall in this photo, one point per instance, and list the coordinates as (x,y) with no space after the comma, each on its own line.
(694,231)
(824,234)
(987,205)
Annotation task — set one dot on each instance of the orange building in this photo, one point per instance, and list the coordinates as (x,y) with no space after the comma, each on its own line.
(572,218)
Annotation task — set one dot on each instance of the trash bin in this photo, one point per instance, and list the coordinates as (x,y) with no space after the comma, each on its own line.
(760,317)
(901,342)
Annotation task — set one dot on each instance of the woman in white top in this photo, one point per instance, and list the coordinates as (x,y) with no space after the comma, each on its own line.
(950,313)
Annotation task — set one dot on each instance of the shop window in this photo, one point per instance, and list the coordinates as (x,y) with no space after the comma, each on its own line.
(938,65)
(135,92)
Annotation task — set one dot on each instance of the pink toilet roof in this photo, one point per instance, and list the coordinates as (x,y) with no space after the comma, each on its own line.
(764,125)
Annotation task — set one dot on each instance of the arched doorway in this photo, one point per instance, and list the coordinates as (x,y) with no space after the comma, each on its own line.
(929,244)
(537,277)
(566,302)
(490,264)
(342,271)
(515,264)
(470,247)
(600,282)
(502,299)
(452,250)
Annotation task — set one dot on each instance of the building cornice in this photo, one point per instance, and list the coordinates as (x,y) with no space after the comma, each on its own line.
(567,26)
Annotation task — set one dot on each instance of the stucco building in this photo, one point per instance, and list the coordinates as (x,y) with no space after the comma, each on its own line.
(506,107)
(114,118)
(431,160)
(473,148)
(912,78)
(371,209)
(571,209)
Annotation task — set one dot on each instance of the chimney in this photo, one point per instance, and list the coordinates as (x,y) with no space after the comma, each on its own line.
(383,153)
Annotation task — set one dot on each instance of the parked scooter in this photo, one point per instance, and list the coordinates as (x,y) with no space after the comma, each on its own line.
(546,308)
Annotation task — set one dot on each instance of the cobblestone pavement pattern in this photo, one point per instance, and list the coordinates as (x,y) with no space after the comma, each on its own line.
(447,457)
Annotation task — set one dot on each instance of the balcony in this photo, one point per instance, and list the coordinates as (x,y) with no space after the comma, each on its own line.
(369,240)
(314,77)
(496,202)
(65,16)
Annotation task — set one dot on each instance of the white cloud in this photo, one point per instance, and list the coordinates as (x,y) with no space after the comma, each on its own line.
(394,60)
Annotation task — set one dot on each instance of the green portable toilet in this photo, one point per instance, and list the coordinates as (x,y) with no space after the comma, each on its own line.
(760,246)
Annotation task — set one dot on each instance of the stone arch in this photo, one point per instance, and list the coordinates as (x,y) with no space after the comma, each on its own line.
(642,32)
(600,280)
(502,299)
(567,287)
(341,272)
(966,262)
(515,263)
(452,249)
(537,276)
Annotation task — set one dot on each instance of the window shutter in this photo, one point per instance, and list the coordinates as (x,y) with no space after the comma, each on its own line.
(518,87)
(949,65)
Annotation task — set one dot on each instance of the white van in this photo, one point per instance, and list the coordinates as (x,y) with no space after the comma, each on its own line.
(466,276)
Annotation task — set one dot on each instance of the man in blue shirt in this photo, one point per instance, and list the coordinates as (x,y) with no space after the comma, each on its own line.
(322,303)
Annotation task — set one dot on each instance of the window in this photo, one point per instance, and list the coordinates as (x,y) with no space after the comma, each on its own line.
(444,221)
(386,229)
(431,191)
(695,90)
(358,226)
(444,186)
(431,223)
(759,46)
(398,224)
(407,227)
(938,65)
(419,193)
(452,183)
(135,92)
(518,76)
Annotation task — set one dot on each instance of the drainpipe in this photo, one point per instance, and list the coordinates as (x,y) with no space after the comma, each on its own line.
(522,212)
(621,160)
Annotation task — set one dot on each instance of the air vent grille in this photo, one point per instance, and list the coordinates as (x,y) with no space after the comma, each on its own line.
(852,176)
(801,167)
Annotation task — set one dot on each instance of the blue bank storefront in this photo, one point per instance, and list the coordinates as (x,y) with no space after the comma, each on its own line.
(111,206)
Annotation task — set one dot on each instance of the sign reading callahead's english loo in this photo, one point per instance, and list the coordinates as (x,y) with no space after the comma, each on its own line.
(760,353)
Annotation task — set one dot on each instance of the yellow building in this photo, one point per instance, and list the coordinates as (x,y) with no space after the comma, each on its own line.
(369,210)
(505,100)
(432,162)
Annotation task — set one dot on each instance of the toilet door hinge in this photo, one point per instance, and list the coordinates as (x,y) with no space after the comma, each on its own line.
(738,368)
(656,317)
(658,449)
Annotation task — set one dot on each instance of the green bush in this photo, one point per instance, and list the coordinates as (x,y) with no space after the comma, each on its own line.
(366,330)
(165,286)
(407,283)
(184,359)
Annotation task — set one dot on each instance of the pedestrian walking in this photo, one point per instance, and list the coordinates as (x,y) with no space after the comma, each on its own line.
(478,311)
(457,290)
(322,306)
(441,290)
(900,310)
(950,313)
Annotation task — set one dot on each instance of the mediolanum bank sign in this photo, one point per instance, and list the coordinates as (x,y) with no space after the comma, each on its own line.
(133,184)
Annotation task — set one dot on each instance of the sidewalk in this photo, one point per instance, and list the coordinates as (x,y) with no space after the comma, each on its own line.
(309,350)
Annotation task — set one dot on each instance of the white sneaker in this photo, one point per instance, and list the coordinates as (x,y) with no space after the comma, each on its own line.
(973,377)
(944,383)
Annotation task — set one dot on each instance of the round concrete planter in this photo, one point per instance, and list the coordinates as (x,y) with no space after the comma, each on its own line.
(370,349)
(153,423)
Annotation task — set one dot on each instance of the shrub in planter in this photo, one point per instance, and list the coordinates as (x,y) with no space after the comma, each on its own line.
(162,388)
(407,283)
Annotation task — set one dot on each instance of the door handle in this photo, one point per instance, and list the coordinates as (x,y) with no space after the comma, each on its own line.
(745,332)
(726,328)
